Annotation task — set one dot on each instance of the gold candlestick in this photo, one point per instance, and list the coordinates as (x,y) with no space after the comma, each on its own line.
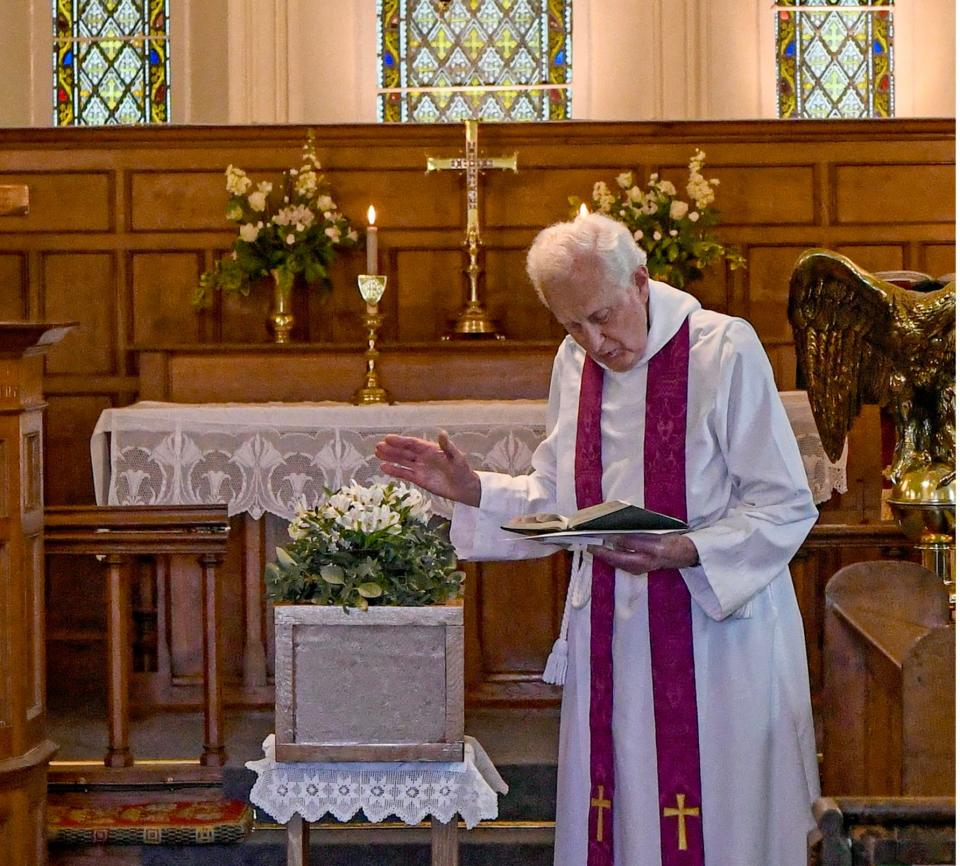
(371,287)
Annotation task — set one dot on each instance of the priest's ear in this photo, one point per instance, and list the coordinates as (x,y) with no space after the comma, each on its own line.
(641,279)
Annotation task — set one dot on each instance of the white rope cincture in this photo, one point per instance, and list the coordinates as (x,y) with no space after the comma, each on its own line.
(578,594)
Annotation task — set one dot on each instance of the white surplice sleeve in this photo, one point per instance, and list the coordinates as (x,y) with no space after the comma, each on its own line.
(771,509)
(476,532)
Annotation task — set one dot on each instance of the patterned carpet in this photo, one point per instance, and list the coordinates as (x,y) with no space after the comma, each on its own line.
(205,822)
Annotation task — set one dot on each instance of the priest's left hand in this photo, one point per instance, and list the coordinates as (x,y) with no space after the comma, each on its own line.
(640,553)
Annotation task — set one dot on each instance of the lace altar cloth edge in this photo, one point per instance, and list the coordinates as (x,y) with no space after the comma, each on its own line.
(261,458)
(411,791)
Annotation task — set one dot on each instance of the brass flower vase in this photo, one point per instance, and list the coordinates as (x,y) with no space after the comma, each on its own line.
(281,316)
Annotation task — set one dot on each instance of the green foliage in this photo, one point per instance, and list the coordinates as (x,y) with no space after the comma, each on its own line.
(366,546)
(674,233)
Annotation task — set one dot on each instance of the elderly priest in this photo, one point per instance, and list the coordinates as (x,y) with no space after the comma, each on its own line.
(686,736)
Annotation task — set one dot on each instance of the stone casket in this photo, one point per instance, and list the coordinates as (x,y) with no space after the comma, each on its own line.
(384,684)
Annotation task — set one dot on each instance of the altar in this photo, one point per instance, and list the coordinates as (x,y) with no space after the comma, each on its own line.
(262,459)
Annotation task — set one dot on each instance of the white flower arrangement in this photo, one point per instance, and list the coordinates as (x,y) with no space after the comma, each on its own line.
(296,231)
(674,233)
(366,545)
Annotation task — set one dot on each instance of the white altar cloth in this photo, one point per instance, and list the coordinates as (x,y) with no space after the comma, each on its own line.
(411,791)
(261,457)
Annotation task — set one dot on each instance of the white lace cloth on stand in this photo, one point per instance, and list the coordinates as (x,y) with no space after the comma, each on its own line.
(261,458)
(411,791)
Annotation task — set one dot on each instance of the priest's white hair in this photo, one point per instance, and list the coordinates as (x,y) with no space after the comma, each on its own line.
(590,238)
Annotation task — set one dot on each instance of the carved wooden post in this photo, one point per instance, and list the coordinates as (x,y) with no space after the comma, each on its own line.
(119,662)
(214,753)
(25,751)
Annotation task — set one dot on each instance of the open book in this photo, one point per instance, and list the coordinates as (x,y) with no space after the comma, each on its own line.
(608,518)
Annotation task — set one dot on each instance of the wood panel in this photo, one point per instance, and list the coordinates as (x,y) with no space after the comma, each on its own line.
(122,221)
(161,290)
(63,201)
(14,304)
(82,286)
(883,193)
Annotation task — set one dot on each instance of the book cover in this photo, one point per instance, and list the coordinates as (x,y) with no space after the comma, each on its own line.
(611,517)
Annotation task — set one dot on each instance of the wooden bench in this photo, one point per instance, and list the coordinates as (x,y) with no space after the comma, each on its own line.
(883,831)
(120,532)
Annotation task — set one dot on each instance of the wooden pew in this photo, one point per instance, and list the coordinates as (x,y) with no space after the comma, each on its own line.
(883,831)
(117,534)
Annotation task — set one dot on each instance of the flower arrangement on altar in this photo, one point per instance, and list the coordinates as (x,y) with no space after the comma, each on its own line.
(295,229)
(362,546)
(674,233)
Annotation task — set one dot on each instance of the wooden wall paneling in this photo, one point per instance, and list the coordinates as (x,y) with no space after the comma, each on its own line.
(471,370)
(938,259)
(861,502)
(75,617)
(150,201)
(783,362)
(161,290)
(176,200)
(891,193)
(82,286)
(67,201)
(743,196)
(517,622)
(70,420)
(336,316)
(510,299)
(875,257)
(14,298)
(430,291)
(769,267)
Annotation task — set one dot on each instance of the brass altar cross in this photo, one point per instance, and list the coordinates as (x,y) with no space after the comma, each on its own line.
(473,320)
(681,813)
(600,803)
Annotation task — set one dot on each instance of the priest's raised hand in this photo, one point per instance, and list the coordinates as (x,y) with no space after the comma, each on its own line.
(439,467)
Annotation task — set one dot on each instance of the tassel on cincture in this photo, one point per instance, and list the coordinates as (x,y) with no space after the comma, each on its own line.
(555,671)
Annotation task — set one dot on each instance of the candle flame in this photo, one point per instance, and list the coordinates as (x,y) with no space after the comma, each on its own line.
(371,215)
(583,209)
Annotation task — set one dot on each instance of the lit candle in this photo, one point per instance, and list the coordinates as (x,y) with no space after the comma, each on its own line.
(583,209)
(371,241)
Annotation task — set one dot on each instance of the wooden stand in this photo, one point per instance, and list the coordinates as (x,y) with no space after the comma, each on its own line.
(889,717)
(25,751)
(443,842)
(117,533)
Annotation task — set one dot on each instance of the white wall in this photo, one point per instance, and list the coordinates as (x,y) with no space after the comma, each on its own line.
(309,61)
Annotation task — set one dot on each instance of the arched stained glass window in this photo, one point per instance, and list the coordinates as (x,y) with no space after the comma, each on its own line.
(835,58)
(111,62)
(474,59)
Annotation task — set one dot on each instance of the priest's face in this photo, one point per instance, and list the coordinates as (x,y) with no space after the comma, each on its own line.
(608,320)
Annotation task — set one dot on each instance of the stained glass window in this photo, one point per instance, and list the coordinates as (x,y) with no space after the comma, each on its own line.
(111,62)
(474,59)
(835,58)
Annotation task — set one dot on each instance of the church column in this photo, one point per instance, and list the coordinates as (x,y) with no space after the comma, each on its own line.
(258,52)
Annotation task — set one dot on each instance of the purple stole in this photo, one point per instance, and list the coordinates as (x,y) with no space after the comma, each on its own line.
(671,632)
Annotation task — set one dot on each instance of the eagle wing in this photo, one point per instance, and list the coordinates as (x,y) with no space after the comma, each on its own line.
(842,321)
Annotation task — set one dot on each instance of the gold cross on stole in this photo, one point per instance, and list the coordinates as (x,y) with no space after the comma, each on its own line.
(473,320)
(600,803)
(681,813)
